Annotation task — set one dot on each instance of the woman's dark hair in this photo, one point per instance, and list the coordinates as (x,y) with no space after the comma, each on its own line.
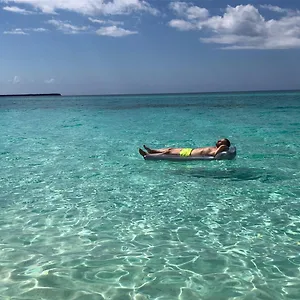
(226,142)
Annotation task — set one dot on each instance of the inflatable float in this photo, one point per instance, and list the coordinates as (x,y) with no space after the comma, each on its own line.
(225,155)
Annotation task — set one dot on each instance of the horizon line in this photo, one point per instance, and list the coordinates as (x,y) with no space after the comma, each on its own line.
(182,93)
(145,94)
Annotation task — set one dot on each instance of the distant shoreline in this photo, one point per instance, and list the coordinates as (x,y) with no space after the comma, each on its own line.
(151,94)
(31,95)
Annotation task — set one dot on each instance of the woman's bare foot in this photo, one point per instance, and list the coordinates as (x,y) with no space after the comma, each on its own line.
(149,150)
(142,152)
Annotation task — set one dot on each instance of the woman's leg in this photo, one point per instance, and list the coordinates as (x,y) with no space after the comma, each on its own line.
(162,150)
(174,151)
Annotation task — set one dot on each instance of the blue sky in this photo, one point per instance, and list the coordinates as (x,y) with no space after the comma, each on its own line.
(133,46)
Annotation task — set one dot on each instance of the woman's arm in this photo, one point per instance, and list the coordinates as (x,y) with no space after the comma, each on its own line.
(221,149)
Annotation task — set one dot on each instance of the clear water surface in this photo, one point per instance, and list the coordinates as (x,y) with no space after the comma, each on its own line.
(83,216)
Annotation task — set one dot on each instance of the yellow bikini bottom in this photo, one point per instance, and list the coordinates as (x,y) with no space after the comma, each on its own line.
(186,151)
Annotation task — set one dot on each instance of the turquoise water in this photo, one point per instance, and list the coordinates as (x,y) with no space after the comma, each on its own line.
(83,216)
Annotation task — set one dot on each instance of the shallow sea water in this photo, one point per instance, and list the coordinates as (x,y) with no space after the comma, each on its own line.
(83,216)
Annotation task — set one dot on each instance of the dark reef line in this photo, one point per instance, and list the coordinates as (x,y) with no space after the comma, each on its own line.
(30,95)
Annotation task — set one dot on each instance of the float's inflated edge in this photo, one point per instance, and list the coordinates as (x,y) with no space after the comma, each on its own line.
(226,155)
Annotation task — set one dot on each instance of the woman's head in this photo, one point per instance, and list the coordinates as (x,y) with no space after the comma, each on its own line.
(225,142)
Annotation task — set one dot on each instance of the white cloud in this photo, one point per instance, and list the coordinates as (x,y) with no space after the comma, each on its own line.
(182,25)
(25,31)
(66,27)
(195,12)
(243,27)
(114,31)
(18,10)
(275,8)
(17,31)
(179,7)
(49,81)
(240,20)
(16,80)
(106,21)
(90,7)
(97,21)
(40,29)
(190,12)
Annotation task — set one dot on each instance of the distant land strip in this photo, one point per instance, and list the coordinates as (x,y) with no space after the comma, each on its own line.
(31,95)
